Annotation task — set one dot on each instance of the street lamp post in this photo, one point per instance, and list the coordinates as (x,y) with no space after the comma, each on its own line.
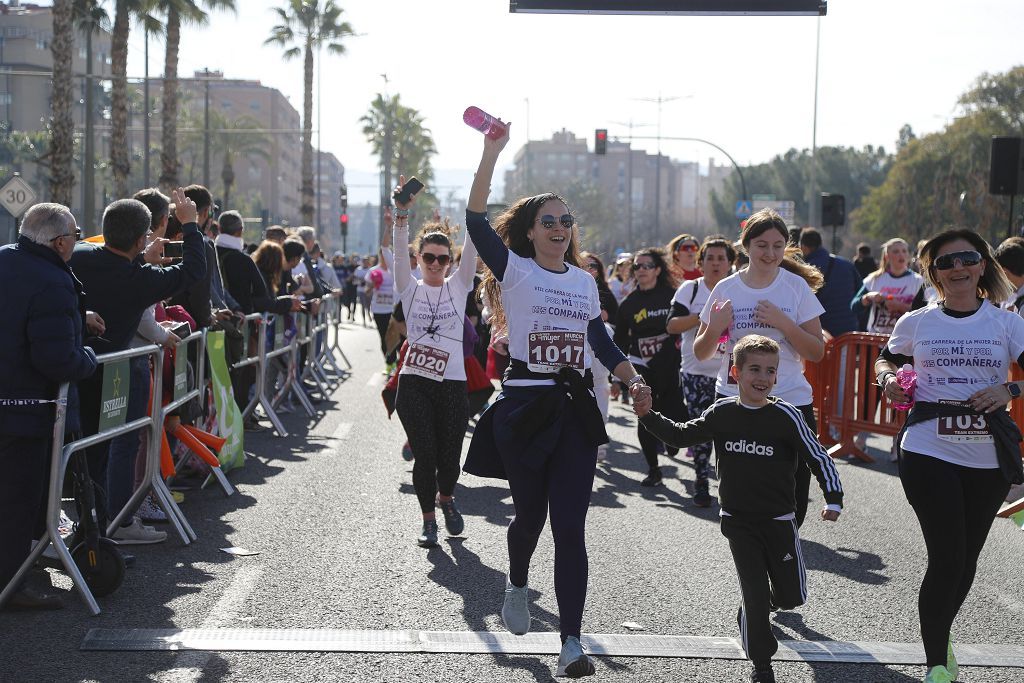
(657,173)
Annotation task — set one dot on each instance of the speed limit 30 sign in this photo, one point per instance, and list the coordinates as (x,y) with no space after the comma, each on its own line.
(16,196)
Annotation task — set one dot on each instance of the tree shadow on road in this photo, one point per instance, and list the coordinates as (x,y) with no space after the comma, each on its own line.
(856,565)
(480,588)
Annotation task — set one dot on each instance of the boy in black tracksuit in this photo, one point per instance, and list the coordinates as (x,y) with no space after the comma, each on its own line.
(758,439)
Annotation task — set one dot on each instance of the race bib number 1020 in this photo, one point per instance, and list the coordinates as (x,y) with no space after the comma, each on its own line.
(426,361)
(551,351)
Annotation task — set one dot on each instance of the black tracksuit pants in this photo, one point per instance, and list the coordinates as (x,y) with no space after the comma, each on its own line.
(771,571)
(434,415)
(955,506)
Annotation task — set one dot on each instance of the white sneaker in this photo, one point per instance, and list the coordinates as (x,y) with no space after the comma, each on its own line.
(573,661)
(515,612)
(150,512)
(602,453)
(138,534)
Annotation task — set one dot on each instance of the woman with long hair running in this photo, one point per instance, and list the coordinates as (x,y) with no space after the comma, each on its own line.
(959,447)
(772,296)
(684,250)
(542,432)
(640,331)
(698,377)
(431,400)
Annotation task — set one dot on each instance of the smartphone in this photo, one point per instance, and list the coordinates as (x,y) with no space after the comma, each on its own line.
(411,187)
(182,330)
(174,249)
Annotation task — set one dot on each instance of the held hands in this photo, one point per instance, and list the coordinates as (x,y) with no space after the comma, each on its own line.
(642,400)
(184,208)
(991,398)
(829,515)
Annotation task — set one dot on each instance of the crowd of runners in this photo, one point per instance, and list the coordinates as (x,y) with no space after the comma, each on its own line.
(707,338)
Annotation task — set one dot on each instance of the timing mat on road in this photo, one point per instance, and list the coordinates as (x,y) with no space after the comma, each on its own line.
(476,642)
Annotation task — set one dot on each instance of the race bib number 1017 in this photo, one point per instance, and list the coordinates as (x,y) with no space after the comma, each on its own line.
(551,351)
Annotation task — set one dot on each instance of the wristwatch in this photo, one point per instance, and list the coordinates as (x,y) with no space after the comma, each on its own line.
(1014,389)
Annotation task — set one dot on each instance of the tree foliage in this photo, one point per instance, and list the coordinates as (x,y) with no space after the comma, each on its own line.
(941,179)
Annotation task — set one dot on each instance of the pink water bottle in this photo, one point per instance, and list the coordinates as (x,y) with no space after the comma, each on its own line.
(475,117)
(907,379)
(724,339)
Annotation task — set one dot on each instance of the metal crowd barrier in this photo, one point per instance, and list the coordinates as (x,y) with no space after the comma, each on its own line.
(306,324)
(331,318)
(335,344)
(61,453)
(290,358)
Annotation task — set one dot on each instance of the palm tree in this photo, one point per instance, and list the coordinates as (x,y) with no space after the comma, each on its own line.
(124,12)
(90,17)
(306,25)
(176,12)
(397,135)
(236,138)
(62,144)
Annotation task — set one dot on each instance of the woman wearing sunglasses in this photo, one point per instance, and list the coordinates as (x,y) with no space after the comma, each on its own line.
(542,432)
(640,330)
(684,250)
(773,296)
(431,400)
(959,450)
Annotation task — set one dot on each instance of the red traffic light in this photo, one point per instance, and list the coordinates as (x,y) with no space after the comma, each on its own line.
(601,141)
(344,219)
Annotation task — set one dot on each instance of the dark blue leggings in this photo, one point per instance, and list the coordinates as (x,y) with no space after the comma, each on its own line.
(563,487)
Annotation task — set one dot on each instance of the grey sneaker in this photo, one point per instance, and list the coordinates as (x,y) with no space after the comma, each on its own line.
(515,612)
(572,661)
(138,534)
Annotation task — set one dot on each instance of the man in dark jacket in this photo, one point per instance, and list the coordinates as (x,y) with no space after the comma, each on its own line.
(841,283)
(120,288)
(40,348)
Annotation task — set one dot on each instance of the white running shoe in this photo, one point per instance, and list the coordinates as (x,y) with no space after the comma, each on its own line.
(138,534)
(573,661)
(515,612)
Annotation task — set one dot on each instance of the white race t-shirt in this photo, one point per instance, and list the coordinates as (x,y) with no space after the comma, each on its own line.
(383,300)
(954,358)
(548,314)
(694,303)
(434,328)
(359,275)
(903,289)
(794,297)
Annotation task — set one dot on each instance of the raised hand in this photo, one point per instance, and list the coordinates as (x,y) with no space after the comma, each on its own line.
(184,208)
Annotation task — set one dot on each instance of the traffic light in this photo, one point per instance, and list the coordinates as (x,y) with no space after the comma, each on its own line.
(343,196)
(601,141)
(344,223)
(833,209)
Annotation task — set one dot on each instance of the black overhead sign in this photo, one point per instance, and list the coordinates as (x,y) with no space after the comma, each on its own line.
(698,7)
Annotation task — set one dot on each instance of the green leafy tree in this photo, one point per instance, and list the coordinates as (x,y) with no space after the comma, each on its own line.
(308,25)
(941,179)
(233,139)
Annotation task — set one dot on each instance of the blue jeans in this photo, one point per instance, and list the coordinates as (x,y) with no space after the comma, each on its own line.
(124,448)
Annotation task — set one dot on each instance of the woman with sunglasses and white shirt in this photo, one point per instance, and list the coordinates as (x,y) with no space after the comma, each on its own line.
(772,296)
(431,400)
(958,450)
(542,432)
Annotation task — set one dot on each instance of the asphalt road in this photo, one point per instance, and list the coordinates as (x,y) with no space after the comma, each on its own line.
(332,513)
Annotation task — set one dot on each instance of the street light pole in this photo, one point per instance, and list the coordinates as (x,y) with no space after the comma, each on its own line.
(206,128)
(813,197)
(145,119)
(657,173)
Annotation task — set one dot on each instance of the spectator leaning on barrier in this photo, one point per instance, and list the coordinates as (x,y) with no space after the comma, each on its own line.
(120,288)
(841,282)
(40,348)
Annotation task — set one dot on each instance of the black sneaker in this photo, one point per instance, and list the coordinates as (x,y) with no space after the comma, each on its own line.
(428,538)
(762,674)
(453,521)
(701,497)
(653,477)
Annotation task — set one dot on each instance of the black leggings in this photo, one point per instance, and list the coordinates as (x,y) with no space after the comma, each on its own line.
(563,486)
(666,400)
(434,415)
(803,472)
(383,320)
(955,506)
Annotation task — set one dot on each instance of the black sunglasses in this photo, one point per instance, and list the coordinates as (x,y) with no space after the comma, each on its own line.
(566,219)
(646,265)
(429,258)
(77,235)
(948,261)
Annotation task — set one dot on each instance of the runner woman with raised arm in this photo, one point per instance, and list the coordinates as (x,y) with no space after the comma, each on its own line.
(543,431)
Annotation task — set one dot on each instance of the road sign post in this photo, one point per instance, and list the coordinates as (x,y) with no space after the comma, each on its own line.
(16,196)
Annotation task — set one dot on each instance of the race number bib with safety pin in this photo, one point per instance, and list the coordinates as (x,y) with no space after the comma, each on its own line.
(426,361)
(385,299)
(963,428)
(649,346)
(551,351)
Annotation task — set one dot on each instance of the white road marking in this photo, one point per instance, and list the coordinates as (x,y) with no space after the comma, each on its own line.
(376,379)
(188,666)
(342,432)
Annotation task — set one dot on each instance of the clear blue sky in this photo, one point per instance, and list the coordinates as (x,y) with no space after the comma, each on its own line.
(746,84)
